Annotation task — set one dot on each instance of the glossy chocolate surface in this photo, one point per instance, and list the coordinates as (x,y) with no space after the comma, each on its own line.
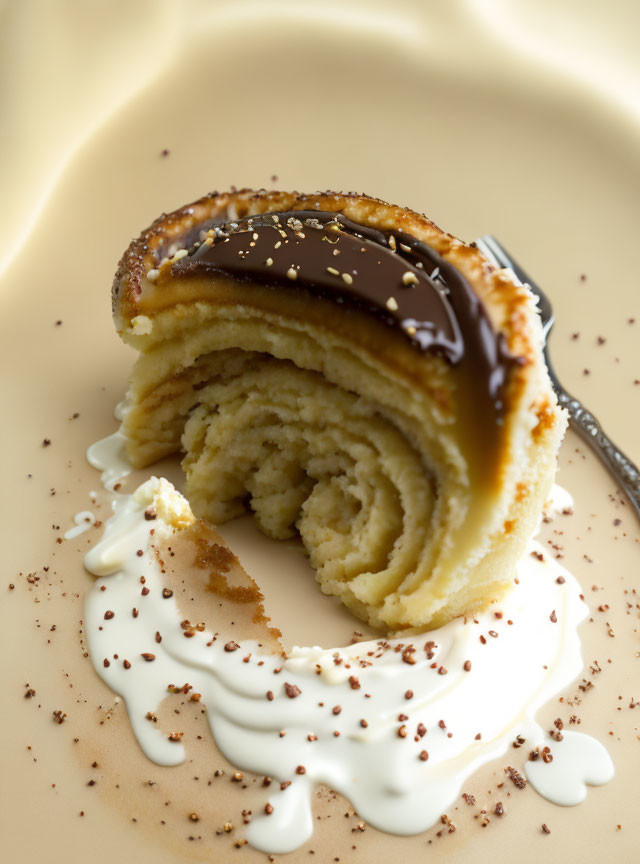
(393,275)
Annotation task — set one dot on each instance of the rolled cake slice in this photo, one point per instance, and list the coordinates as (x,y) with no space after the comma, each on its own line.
(349,372)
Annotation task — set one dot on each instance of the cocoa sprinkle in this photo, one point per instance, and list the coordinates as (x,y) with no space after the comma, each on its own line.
(516,778)
(408,655)
(292,690)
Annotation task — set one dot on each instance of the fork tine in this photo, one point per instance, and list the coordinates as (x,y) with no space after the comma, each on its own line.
(582,420)
(496,252)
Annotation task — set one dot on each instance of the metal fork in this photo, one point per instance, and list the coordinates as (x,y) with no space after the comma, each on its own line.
(582,420)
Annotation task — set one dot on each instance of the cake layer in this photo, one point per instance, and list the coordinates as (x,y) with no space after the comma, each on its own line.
(353,374)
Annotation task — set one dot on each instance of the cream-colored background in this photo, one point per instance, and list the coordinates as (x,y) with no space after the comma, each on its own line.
(66,66)
(518,118)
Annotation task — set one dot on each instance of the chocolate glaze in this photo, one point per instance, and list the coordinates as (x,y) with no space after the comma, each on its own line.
(399,278)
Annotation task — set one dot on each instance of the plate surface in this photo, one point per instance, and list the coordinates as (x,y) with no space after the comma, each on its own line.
(441,110)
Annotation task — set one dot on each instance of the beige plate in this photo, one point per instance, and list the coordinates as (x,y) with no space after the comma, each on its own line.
(432,110)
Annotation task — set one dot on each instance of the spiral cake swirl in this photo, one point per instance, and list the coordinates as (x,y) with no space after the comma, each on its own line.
(351,373)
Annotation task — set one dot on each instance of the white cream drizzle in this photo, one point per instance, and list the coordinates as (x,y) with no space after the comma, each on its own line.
(579,761)
(108,456)
(512,675)
(559,500)
(83,521)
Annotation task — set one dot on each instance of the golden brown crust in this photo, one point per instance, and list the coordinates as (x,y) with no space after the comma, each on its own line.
(459,487)
(506,306)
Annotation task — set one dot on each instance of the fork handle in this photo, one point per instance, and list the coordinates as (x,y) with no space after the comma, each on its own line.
(587,426)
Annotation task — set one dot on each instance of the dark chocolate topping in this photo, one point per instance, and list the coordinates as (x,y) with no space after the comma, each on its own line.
(394,275)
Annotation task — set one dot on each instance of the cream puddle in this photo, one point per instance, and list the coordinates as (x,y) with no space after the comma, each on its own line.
(406,762)
(579,761)
(108,456)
